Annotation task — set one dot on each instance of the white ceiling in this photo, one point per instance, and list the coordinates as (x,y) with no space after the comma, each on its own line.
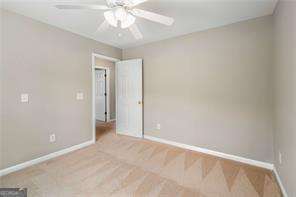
(190,16)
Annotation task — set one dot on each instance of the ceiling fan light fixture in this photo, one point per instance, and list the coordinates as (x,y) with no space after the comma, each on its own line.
(120,14)
(130,19)
(110,18)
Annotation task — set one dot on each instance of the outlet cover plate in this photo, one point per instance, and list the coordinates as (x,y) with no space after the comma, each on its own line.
(158,126)
(52,138)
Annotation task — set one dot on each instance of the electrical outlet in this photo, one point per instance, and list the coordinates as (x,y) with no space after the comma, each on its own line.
(280,157)
(158,126)
(52,138)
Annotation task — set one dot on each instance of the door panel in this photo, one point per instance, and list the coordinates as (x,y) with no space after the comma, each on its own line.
(129,98)
(100,95)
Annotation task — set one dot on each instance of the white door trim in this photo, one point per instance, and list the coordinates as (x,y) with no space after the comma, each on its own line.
(94,66)
(107,90)
(94,55)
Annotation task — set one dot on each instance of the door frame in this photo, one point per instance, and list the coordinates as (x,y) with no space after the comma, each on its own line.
(94,67)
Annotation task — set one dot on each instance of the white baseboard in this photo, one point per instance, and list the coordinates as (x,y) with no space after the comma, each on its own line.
(261,164)
(44,158)
(112,120)
(277,176)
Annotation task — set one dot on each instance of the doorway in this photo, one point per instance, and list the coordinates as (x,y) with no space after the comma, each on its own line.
(104,83)
(104,96)
(117,94)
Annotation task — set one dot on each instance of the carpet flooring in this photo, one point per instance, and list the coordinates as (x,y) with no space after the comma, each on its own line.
(123,166)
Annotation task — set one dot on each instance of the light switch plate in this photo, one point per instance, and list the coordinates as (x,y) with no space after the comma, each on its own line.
(79,96)
(24,98)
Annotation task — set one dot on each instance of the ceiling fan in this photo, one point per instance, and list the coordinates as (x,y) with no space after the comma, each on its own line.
(122,12)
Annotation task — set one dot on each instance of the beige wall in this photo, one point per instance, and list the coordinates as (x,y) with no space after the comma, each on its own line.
(111,66)
(1,107)
(212,89)
(51,65)
(285,93)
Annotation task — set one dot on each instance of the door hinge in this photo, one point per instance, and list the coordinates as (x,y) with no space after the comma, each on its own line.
(105,75)
(105,113)
(105,94)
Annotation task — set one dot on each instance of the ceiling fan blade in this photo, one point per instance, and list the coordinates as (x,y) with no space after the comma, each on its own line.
(109,2)
(137,2)
(136,32)
(153,16)
(103,27)
(79,6)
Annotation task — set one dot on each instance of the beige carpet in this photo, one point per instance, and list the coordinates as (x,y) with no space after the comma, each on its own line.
(123,166)
(103,127)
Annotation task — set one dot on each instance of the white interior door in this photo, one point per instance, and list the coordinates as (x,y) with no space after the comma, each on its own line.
(101,95)
(129,107)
